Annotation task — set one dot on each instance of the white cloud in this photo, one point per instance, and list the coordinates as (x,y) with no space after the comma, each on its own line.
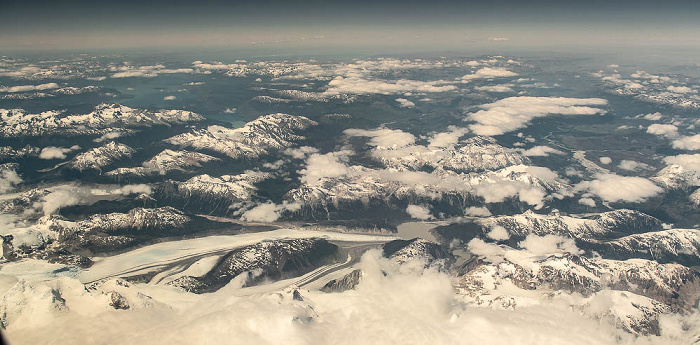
(53,152)
(169,98)
(419,212)
(8,180)
(497,189)
(499,39)
(587,202)
(268,212)
(680,89)
(262,213)
(134,189)
(404,103)
(230,110)
(611,187)
(447,139)
(496,88)
(300,152)
(383,137)
(477,211)
(666,130)
(605,160)
(541,151)
(549,244)
(25,88)
(145,71)
(361,86)
(390,305)
(498,233)
(488,73)
(653,116)
(631,165)
(60,198)
(688,162)
(108,136)
(319,166)
(513,113)
(687,143)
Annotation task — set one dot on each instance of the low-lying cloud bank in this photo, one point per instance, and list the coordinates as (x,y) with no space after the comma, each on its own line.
(614,188)
(393,304)
(513,113)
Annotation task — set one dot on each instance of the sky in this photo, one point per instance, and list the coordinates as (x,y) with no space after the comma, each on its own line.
(43,24)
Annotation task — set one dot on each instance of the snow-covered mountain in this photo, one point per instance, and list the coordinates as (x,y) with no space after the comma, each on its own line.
(605,225)
(470,155)
(105,117)
(212,194)
(361,186)
(7,152)
(676,176)
(165,162)
(646,288)
(674,245)
(255,138)
(101,157)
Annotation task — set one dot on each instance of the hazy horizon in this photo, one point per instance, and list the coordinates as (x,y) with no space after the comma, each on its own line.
(384,25)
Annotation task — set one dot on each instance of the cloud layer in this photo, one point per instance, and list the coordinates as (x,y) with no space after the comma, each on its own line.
(513,113)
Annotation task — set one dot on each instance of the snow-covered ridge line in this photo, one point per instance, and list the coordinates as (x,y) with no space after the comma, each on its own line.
(18,123)
(256,138)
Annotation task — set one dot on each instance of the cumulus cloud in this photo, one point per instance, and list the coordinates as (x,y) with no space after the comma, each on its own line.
(25,88)
(666,130)
(687,143)
(477,211)
(489,73)
(319,166)
(383,137)
(549,244)
(447,139)
(53,152)
(541,151)
(404,103)
(605,160)
(632,165)
(513,113)
(149,71)
(60,198)
(262,213)
(135,189)
(680,89)
(500,189)
(362,86)
(230,110)
(419,212)
(652,117)
(8,180)
(108,136)
(498,233)
(496,88)
(268,212)
(300,152)
(587,202)
(169,98)
(499,39)
(497,189)
(612,188)
(688,162)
